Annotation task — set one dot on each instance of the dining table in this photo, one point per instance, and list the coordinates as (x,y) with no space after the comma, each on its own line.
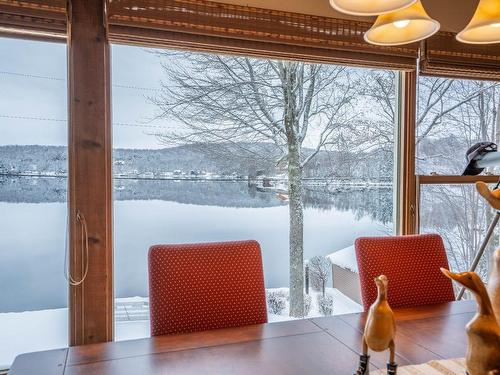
(320,345)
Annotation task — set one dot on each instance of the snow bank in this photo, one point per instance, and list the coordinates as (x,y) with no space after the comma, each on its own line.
(345,258)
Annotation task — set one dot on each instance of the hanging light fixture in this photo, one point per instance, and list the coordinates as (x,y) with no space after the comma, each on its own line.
(369,7)
(404,26)
(484,27)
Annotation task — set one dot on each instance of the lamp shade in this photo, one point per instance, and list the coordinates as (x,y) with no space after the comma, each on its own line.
(484,27)
(404,26)
(369,7)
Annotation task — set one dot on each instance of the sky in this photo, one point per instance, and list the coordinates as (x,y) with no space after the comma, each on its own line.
(33,94)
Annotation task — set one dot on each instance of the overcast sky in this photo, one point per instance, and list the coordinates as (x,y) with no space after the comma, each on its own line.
(33,95)
(33,87)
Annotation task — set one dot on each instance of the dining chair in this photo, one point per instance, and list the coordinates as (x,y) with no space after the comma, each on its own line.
(411,264)
(198,287)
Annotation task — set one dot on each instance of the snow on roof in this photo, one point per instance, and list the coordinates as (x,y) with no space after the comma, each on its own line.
(344,258)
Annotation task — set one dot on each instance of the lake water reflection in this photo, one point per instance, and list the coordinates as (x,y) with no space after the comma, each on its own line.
(146,212)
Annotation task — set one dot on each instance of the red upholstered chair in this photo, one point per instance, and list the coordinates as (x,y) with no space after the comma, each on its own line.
(411,263)
(197,287)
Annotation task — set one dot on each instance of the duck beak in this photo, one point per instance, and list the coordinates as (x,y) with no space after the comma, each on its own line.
(449,274)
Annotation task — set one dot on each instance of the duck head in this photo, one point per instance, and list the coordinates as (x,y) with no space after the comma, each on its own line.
(381,282)
(472,282)
(469,280)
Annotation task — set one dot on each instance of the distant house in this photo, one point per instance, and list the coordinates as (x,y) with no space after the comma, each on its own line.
(345,273)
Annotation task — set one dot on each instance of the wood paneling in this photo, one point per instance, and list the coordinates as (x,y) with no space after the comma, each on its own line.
(90,180)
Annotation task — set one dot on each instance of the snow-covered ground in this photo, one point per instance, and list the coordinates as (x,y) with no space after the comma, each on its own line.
(48,329)
(341,305)
(31,331)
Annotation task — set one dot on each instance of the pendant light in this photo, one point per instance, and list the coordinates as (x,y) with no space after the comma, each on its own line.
(404,26)
(369,7)
(484,27)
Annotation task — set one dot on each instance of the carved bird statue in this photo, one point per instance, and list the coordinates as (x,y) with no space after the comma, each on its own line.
(494,284)
(380,329)
(491,196)
(483,331)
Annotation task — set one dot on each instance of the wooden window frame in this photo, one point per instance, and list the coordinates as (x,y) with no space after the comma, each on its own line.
(406,194)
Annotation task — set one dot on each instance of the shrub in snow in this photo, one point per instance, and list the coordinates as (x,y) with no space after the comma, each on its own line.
(319,272)
(307,304)
(325,304)
(285,293)
(276,301)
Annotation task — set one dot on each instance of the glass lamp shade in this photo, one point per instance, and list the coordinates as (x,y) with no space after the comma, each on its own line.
(484,27)
(369,7)
(401,27)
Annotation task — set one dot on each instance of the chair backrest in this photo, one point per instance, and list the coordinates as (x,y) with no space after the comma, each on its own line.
(411,264)
(197,287)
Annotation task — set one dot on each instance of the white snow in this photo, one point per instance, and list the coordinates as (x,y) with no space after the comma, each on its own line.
(48,329)
(345,258)
(341,305)
(31,331)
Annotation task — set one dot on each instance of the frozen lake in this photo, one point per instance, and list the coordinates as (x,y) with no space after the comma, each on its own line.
(33,221)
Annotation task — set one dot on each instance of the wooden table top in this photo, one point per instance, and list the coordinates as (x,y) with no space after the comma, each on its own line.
(328,345)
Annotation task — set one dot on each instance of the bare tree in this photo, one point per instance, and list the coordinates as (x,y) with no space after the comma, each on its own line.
(319,268)
(239,101)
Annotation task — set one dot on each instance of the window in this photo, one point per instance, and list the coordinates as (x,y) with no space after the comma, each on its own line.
(214,148)
(33,167)
(452,116)
(461,216)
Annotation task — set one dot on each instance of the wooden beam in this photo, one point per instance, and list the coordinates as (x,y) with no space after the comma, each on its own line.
(407,194)
(90,169)
(445,179)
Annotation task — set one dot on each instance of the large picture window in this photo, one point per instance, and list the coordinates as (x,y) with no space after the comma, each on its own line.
(294,155)
(33,181)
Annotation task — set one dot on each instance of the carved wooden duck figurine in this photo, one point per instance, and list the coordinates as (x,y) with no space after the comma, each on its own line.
(491,196)
(380,329)
(483,331)
(494,284)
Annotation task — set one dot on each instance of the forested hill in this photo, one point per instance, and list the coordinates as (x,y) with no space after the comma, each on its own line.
(243,159)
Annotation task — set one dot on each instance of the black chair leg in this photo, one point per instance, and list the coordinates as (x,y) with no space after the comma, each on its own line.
(363,364)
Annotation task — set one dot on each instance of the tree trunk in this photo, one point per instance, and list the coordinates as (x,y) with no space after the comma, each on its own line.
(296,233)
(296,209)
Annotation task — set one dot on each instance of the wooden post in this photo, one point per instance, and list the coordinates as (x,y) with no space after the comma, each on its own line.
(90,169)
(407,190)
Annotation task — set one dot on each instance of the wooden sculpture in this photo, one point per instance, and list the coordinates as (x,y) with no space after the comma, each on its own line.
(380,329)
(494,284)
(483,331)
(492,196)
